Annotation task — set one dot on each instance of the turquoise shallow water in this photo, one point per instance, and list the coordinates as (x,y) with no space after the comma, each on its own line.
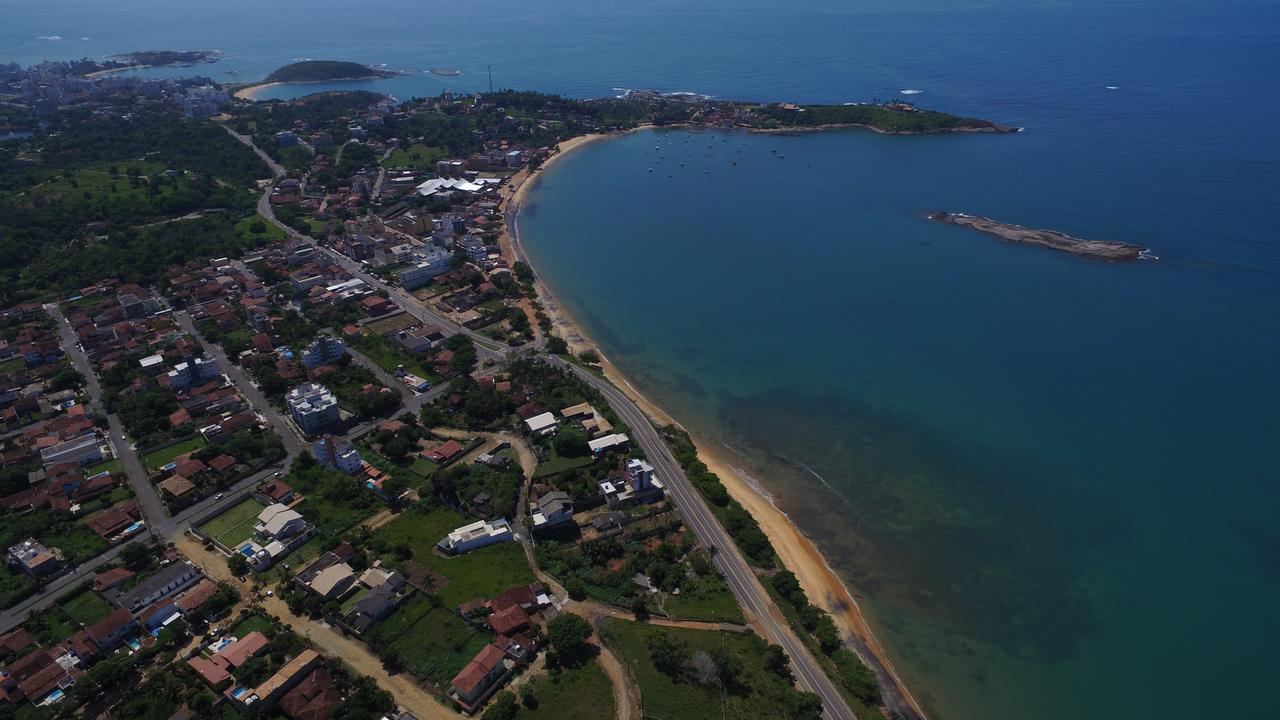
(1048,476)
(1052,480)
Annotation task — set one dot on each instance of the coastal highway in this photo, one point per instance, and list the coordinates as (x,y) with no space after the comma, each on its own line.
(742,581)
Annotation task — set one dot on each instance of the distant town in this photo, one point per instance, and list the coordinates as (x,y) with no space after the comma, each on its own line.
(287,427)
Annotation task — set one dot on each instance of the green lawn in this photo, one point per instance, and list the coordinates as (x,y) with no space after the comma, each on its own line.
(388,355)
(109,465)
(430,641)
(332,519)
(12,365)
(236,524)
(254,622)
(86,607)
(579,692)
(97,183)
(157,459)
(270,232)
(480,573)
(414,156)
(707,599)
(758,692)
(14,586)
(555,464)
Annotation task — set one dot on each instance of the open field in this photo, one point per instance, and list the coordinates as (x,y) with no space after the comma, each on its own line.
(157,459)
(754,692)
(430,641)
(254,622)
(480,573)
(246,228)
(86,607)
(235,525)
(579,692)
(414,156)
(556,464)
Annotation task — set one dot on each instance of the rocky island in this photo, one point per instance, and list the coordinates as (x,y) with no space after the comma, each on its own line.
(1052,239)
(325,70)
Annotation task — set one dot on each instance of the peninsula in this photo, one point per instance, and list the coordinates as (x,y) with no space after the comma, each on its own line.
(1052,239)
(324,71)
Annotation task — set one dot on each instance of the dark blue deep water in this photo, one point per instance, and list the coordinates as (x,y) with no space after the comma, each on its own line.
(1052,480)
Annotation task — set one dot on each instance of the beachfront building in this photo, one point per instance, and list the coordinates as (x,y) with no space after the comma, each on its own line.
(616,441)
(336,453)
(476,535)
(638,486)
(312,407)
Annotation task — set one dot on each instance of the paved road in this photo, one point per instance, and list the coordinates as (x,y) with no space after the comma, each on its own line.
(292,443)
(153,510)
(742,581)
(277,169)
(168,530)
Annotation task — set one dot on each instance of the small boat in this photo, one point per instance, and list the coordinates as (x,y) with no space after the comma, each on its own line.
(650,169)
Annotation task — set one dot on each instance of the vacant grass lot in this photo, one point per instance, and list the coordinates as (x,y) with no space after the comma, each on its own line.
(414,156)
(254,622)
(554,464)
(431,641)
(480,573)
(580,692)
(708,599)
(236,524)
(246,227)
(86,607)
(757,694)
(157,459)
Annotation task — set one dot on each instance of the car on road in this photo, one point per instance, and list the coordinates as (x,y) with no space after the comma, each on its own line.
(219,496)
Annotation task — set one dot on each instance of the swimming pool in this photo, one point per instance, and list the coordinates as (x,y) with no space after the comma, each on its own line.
(134,528)
(246,550)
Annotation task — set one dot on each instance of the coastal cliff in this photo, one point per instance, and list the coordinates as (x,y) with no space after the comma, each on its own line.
(1052,239)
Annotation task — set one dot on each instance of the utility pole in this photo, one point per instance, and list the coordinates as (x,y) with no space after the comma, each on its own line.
(490,79)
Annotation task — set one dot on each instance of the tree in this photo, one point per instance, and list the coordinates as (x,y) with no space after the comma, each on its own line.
(237,564)
(572,442)
(576,588)
(703,669)
(568,634)
(528,698)
(804,706)
(669,655)
(777,662)
(502,708)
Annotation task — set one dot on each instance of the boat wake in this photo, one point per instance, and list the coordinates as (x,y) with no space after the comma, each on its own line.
(49,37)
(910,91)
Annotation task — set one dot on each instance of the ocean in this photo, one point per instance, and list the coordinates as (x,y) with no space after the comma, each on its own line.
(1050,480)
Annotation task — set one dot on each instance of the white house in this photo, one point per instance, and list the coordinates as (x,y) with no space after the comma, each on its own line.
(553,508)
(601,444)
(476,535)
(278,521)
(544,424)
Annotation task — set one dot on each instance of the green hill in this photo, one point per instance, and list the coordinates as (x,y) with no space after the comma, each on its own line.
(319,70)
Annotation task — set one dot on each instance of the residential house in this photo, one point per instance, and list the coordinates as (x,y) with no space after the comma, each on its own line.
(164,583)
(315,697)
(475,535)
(472,685)
(278,522)
(109,632)
(552,509)
(34,559)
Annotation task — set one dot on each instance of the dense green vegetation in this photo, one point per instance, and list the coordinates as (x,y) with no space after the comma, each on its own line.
(699,674)
(318,70)
(427,639)
(583,691)
(880,117)
(744,529)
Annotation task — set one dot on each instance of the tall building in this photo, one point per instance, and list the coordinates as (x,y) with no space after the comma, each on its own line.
(336,452)
(324,349)
(312,407)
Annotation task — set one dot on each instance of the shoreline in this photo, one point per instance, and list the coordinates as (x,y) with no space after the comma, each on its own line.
(248,92)
(796,551)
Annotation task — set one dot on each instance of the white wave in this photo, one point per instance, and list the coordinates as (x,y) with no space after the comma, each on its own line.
(910,91)
(1113,87)
(49,37)
(85,38)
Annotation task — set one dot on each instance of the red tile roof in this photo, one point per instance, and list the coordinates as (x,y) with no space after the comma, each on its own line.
(312,699)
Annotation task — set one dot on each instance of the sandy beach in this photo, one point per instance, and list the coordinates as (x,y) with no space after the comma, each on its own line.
(797,552)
